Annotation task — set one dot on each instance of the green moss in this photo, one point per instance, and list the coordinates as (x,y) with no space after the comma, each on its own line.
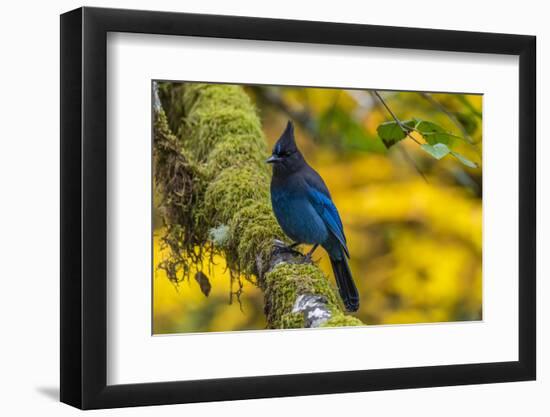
(253,229)
(238,151)
(285,283)
(223,134)
(205,127)
(214,114)
(181,185)
(339,319)
(233,189)
(203,96)
(171,98)
(292,321)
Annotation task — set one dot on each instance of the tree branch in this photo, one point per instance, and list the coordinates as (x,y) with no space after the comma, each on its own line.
(221,136)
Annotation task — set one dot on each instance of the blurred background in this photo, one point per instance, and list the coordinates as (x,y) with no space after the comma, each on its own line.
(413,222)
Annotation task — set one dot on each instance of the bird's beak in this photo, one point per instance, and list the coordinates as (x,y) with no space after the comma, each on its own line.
(272,159)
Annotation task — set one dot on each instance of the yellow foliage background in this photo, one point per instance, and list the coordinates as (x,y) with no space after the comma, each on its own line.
(415,245)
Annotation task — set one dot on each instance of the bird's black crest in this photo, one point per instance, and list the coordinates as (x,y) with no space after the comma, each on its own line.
(286,143)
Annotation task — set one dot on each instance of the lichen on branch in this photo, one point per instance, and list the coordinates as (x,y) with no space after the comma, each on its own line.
(214,188)
(286,281)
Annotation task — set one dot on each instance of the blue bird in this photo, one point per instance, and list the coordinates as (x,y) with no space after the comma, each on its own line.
(304,209)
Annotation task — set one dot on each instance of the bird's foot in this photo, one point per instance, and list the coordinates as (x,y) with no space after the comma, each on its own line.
(307,258)
(281,247)
(284,253)
(309,255)
(288,252)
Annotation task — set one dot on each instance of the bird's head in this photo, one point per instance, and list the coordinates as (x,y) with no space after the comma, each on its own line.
(286,156)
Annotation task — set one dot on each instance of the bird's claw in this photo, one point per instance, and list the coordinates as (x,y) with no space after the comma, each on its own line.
(279,243)
(282,247)
(307,259)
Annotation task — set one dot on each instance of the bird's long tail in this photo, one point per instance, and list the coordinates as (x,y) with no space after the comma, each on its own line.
(346,286)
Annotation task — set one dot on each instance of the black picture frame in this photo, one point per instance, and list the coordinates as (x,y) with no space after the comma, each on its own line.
(84,207)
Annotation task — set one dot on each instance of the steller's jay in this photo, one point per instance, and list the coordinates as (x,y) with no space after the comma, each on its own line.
(305,211)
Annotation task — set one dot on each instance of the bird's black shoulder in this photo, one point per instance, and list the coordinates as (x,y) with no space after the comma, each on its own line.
(313,179)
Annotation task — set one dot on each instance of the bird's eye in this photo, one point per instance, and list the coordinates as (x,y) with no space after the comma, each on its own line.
(285,154)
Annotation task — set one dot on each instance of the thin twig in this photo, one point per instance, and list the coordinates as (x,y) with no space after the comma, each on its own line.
(406,130)
(403,127)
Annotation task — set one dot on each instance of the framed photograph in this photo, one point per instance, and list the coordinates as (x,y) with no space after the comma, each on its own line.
(258,208)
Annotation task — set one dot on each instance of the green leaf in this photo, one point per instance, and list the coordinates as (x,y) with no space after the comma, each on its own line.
(438,151)
(412,124)
(464,160)
(433,133)
(391,133)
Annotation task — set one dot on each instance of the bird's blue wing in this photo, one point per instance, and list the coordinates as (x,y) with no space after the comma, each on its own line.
(328,212)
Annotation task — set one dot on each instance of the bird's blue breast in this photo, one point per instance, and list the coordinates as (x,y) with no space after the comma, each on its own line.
(297,217)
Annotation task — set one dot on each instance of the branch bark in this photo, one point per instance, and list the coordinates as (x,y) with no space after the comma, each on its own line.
(210,171)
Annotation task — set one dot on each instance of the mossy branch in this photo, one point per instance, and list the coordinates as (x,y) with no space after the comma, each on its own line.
(209,167)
